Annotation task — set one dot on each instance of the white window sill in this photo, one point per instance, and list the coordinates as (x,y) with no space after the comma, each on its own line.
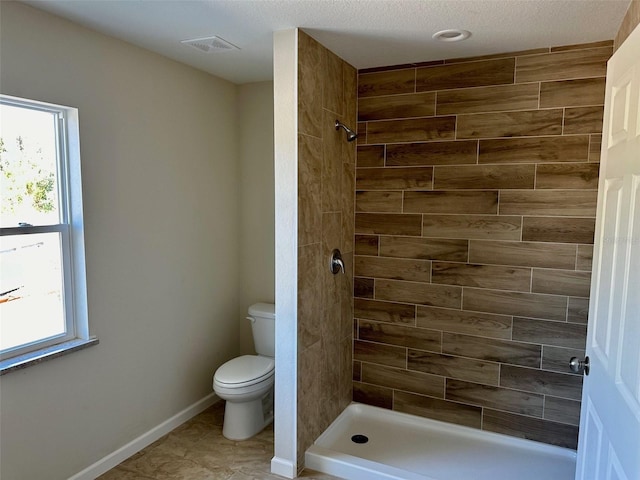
(48,353)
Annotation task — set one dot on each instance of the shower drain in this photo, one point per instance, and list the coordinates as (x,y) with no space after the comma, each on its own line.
(359,439)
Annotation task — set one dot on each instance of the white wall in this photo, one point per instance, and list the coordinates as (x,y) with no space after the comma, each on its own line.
(159,161)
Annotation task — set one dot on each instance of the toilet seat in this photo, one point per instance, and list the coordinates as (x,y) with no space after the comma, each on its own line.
(245,371)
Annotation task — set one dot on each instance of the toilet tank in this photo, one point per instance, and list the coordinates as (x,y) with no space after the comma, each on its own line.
(263,327)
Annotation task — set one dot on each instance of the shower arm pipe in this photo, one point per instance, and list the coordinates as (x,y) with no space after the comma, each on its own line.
(351,135)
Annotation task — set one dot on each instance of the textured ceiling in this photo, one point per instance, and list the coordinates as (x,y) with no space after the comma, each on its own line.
(366,33)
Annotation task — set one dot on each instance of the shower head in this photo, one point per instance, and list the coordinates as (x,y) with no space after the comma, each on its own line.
(351,135)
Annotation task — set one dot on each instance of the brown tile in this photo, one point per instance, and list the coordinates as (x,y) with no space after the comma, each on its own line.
(460,75)
(378,353)
(350,88)
(394,268)
(572,93)
(385,311)
(394,178)
(595,146)
(397,106)
(559,175)
(559,230)
(363,287)
(332,167)
(379,201)
(540,381)
(451,202)
(418,293)
(402,66)
(400,379)
(309,189)
(584,259)
(472,226)
(530,428)
(582,120)
(556,359)
(333,92)
(461,321)
(510,124)
(532,51)
(484,176)
(400,335)
(488,99)
(366,244)
(437,409)
(562,410)
(357,371)
(362,134)
(534,150)
(386,83)
(549,202)
(309,86)
(494,397)
(309,299)
(424,248)
(348,206)
(370,156)
(583,46)
(432,153)
(629,22)
(528,254)
(559,334)
(454,367)
(578,311)
(533,305)
(411,130)
(373,395)
(482,276)
(563,65)
(492,350)
(389,224)
(561,282)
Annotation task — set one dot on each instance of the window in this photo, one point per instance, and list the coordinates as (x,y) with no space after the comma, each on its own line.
(42,272)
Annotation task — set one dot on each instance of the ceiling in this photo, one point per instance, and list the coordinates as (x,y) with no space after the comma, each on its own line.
(366,33)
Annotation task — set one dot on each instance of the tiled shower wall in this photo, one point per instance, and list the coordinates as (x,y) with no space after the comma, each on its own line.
(476,187)
(326,183)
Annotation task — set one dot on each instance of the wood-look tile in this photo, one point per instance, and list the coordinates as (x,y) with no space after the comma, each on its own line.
(437,409)
(348,206)
(400,335)
(527,254)
(530,428)
(492,350)
(510,124)
(333,92)
(384,311)
(418,293)
(582,46)
(454,367)
(488,99)
(350,88)
(332,166)
(629,23)
(461,75)
(595,146)
(494,397)
(412,130)
(309,86)
(518,53)
(378,353)
(572,93)
(393,268)
(386,83)
(389,224)
(309,299)
(370,156)
(579,203)
(532,305)
(563,175)
(401,66)
(373,395)
(482,276)
(472,226)
(432,153)
(541,381)
(366,244)
(562,410)
(559,334)
(559,230)
(309,189)
(561,282)
(401,178)
(578,311)
(362,134)
(397,106)
(462,321)
(563,65)
(584,260)
(424,248)
(356,370)
(379,201)
(556,359)
(484,176)
(363,287)
(451,202)
(583,120)
(396,378)
(534,150)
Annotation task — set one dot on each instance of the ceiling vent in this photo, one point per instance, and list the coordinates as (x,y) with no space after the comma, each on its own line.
(210,44)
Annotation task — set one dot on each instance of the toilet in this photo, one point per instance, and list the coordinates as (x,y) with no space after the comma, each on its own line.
(246,382)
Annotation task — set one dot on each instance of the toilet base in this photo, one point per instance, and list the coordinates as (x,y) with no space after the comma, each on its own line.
(243,420)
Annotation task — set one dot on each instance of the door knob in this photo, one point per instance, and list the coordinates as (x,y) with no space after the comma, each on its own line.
(575,365)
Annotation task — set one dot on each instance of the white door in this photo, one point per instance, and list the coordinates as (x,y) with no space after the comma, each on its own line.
(609,443)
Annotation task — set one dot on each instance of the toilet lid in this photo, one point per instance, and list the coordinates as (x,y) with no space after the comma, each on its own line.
(245,369)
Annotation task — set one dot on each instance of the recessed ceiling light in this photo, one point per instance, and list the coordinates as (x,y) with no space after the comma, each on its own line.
(451,35)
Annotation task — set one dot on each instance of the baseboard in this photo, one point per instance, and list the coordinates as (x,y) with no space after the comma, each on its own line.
(107,463)
(284,468)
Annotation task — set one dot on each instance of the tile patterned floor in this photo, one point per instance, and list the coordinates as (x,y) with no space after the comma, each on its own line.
(197,450)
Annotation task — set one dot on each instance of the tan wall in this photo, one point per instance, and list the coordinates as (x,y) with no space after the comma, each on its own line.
(326,167)
(630,21)
(475,203)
